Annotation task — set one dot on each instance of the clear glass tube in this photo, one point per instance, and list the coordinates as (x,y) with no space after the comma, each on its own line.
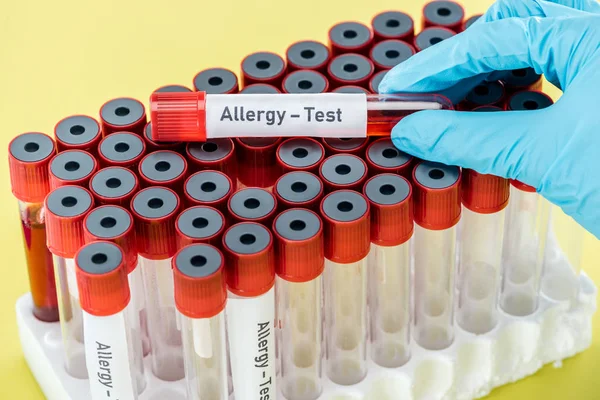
(138,298)
(205,357)
(165,337)
(300,338)
(346,321)
(389,304)
(435,266)
(523,251)
(480,256)
(135,312)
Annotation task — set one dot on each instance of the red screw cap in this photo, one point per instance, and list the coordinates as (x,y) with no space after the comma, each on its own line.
(200,224)
(123,114)
(350,37)
(307,54)
(522,186)
(257,161)
(216,81)
(431,36)
(263,67)
(29,155)
(122,149)
(393,25)
(300,154)
(72,167)
(163,168)
(214,154)
(343,171)
(484,194)
(448,14)
(355,146)
(299,189)
(350,69)
(178,117)
(208,188)
(114,185)
(253,205)
(383,157)
(78,132)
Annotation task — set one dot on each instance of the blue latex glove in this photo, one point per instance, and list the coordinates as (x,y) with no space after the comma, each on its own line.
(557,149)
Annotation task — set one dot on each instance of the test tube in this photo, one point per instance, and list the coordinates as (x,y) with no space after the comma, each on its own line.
(390,199)
(115,224)
(253,205)
(343,171)
(155,210)
(484,94)
(355,146)
(431,36)
(376,80)
(528,100)
(121,149)
(389,53)
(200,298)
(216,81)
(208,188)
(66,207)
(110,349)
(522,79)
(214,154)
(350,89)
(468,22)
(298,190)
(114,185)
(200,224)
(263,67)
(300,154)
(305,81)
(350,37)
(444,13)
(250,310)
(151,145)
(347,241)
(123,114)
(72,167)
(163,168)
(437,211)
(78,132)
(172,88)
(308,54)
(394,25)
(260,88)
(257,162)
(484,199)
(383,157)
(28,157)
(300,262)
(350,69)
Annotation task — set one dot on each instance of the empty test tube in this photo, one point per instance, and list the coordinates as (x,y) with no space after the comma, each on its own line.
(300,154)
(347,241)
(163,168)
(522,79)
(305,81)
(376,80)
(263,67)
(254,205)
(217,81)
(389,265)
(260,88)
(389,53)
(200,298)
(393,25)
(72,167)
(383,157)
(448,14)
(355,146)
(200,224)
(208,188)
(299,189)
(121,149)
(123,114)
(484,94)
(114,185)
(78,132)
(343,171)
(350,69)
(431,36)
(308,54)
(257,162)
(350,37)
(215,154)
(172,88)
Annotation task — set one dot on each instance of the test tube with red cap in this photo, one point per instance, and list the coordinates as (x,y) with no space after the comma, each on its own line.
(351,89)
(263,67)
(115,224)
(66,208)
(216,81)
(123,114)
(172,88)
(200,224)
(260,88)
(347,241)
(350,37)
(393,25)
(437,209)
(431,36)
(376,80)
(470,21)
(444,13)
(305,81)
(155,210)
(300,262)
(350,69)
(163,168)
(343,171)
(78,132)
(208,188)
(121,149)
(308,54)
(390,257)
(250,310)
(114,185)
(528,100)
(354,146)
(389,53)
(383,157)
(257,161)
(29,155)
(101,273)
(298,189)
(300,154)
(152,145)
(484,94)
(72,167)
(484,199)
(522,79)
(252,205)
(214,154)
(200,298)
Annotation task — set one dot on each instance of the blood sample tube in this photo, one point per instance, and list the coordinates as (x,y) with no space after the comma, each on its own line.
(522,79)
(110,340)
(343,171)
(305,81)
(66,207)
(350,69)
(200,224)
(376,80)
(155,210)
(122,149)
(351,89)
(431,36)
(444,13)
(250,260)
(216,81)
(115,224)
(528,100)
(308,54)
(163,168)
(350,37)
(394,25)
(208,188)
(257,162)
(29,155)
(300,154)
(484,198)
(72,167)
(300,262)
(151,145)
(347,240)
(78,132)
(123,114)
(484,94)
(354,146)
(215,154)
(298,189)
(468,22)
(200,298)
(260,88)
(114,185)
(383,157)
(172,88)
(252,205)
(389,53)
(487,108)
(437,210)
(263,67)
(390,202)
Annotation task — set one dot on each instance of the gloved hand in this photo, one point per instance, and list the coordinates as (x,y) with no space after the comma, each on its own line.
(557,149)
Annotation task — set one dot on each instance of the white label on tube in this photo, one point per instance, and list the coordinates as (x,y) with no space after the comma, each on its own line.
(72,277)
(258,115)
(108,358)
(252,345)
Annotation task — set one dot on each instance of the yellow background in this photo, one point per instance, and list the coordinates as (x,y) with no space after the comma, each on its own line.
(69,56)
